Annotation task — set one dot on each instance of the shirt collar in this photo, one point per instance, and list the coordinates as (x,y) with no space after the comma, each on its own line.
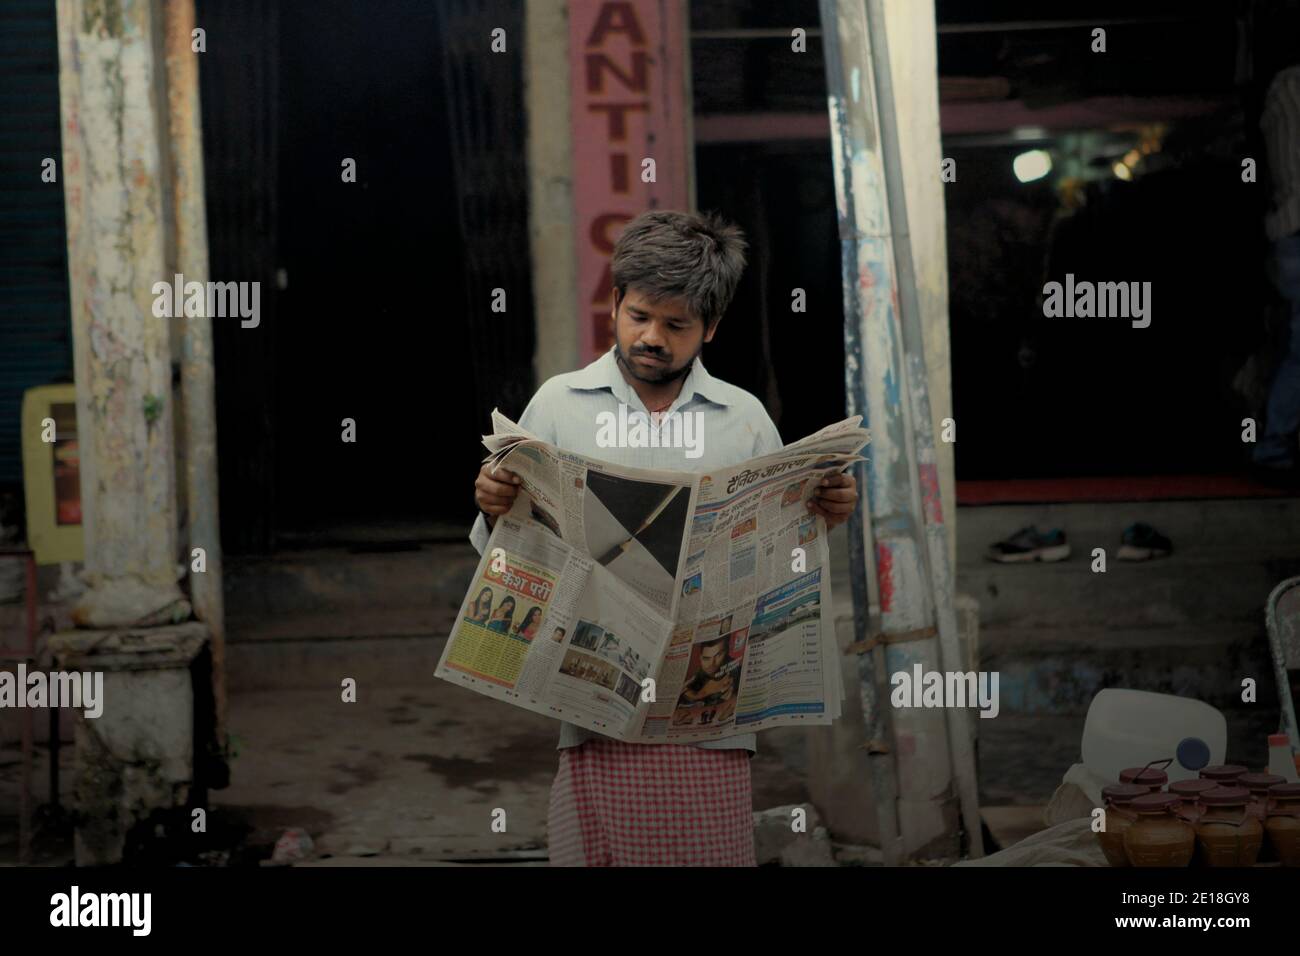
(605,373)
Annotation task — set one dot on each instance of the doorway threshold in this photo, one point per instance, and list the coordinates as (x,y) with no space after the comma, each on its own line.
(372,536)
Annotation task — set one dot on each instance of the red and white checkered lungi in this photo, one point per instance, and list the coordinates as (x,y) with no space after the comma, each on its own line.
(618,804)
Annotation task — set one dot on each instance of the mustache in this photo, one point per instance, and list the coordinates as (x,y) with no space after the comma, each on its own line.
(653,353)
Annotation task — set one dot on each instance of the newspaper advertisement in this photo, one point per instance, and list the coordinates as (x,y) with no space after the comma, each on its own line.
(657,606)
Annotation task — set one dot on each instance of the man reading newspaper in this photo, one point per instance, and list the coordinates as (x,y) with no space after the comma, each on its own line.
(616,803)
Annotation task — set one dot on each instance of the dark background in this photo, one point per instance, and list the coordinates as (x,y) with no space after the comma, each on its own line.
(384,317)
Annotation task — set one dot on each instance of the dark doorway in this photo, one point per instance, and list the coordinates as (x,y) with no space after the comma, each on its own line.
(374,289)
(783,196)
(364,283)
(1051,398)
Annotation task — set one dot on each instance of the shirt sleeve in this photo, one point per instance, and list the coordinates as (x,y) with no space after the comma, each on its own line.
(768,438)
(479,534)
(538,417)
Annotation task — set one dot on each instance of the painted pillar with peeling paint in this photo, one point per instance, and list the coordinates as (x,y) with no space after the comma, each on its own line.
(114,181)
(922,816)
(916,376)
(198,391)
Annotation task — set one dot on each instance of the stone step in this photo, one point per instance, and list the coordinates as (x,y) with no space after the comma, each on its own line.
(338,594)
(281,664)
(1059,670)
(1022,758)
(1270,524)
(1195,584)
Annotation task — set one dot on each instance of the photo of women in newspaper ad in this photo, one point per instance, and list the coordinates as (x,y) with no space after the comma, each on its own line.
(636,530)
(502,616)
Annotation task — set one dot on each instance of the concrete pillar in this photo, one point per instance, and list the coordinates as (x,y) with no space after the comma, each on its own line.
(137,757)
(550,186)
(911,774)
(115,187)
(198,392)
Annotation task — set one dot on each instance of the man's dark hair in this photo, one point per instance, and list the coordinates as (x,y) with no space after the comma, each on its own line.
(668,255)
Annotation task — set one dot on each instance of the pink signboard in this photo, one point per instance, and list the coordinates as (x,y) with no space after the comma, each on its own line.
(628,77)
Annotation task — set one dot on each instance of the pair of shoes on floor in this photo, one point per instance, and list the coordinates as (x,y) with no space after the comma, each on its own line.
(1030,544)
(1139,542)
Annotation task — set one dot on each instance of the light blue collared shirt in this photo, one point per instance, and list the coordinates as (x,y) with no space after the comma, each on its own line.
(734,427)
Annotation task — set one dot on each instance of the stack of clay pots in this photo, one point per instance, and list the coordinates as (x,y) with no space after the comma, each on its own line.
(1228,817)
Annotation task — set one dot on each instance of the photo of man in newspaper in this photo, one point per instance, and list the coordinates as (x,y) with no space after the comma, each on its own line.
(709,695)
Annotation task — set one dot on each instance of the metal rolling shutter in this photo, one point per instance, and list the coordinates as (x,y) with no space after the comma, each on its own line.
(35,318)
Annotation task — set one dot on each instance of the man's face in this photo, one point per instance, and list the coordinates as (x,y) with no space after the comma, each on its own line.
(657,341)
(712,657)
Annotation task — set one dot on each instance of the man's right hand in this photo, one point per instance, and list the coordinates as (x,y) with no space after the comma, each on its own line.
(494,493)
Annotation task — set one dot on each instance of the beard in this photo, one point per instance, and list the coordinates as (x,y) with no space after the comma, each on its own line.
(660,377)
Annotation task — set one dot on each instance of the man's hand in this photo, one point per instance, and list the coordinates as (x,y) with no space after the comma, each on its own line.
(494,493)
(835,499)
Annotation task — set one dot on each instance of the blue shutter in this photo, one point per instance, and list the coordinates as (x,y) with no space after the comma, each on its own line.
(35,320)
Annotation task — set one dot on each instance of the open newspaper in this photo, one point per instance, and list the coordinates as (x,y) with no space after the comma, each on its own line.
(657,606)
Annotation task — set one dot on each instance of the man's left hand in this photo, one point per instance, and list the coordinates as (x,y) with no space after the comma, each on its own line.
(835,498)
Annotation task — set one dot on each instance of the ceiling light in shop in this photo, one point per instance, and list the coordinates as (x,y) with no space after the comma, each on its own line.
(1032,165)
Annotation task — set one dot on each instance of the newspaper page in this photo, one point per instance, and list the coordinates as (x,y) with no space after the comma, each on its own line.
(750,648)
(656,606)
(571,605)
